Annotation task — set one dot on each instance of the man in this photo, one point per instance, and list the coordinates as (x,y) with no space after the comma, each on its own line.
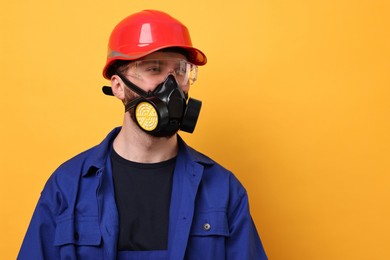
(143,193)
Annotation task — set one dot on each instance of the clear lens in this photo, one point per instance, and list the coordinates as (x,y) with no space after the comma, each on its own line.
(157,70)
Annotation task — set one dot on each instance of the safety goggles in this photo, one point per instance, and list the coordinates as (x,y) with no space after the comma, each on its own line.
(156,70)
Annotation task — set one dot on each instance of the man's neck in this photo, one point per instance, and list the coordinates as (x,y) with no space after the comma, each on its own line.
(135,145)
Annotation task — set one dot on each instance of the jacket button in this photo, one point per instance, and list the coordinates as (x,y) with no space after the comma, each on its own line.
(76,236)
(206,226)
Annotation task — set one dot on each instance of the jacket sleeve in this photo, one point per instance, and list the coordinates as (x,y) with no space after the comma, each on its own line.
(38,242)
(243,242)
(39,239)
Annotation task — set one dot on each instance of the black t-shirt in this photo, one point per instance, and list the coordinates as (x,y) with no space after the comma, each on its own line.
(143,194)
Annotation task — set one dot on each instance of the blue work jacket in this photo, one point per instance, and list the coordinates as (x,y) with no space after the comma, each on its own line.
(76,216)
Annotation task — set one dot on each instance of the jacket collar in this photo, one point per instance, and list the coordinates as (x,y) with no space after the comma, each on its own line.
(192,154)
(100,153)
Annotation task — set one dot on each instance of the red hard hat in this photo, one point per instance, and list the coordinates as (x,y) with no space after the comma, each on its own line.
(148,31)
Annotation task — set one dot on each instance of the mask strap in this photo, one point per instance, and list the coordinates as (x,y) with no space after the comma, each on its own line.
(134,87)
(132,103)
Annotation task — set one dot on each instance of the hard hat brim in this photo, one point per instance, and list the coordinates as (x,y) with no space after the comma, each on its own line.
(195,56)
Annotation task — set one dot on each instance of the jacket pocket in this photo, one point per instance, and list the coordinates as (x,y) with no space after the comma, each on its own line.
(82,231)
(210,223)
(208,235)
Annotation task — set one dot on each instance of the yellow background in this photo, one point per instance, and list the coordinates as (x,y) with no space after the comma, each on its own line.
(296,103)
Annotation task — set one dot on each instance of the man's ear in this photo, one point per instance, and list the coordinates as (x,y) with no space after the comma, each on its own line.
(118,87)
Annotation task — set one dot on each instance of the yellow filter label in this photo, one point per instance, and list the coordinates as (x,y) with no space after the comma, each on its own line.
(146,116)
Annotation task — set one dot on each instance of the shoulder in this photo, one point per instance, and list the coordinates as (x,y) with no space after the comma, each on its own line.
(65,179)
(78,163)
(94,157)
(69,173)
(208,163)
(215,172)
(219,187)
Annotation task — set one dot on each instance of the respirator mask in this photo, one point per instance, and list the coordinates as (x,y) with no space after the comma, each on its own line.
(166,109)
